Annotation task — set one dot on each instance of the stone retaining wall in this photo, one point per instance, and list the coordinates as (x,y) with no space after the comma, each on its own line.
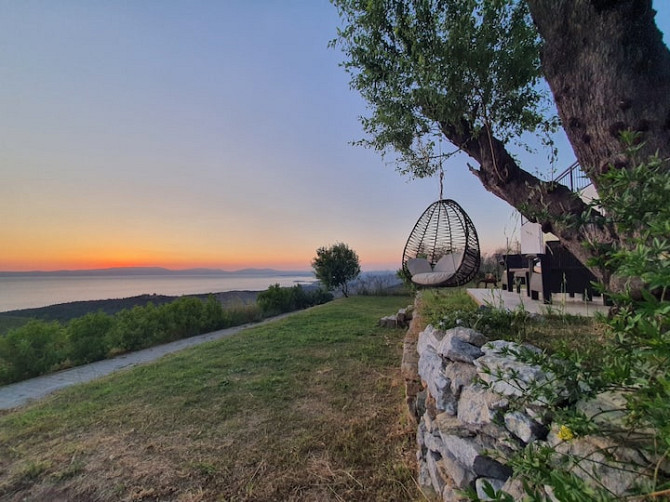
(459,389)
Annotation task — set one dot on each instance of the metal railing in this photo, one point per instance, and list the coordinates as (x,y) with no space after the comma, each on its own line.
(574,178)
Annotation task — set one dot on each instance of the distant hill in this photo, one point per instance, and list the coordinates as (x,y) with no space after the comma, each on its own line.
(126,271)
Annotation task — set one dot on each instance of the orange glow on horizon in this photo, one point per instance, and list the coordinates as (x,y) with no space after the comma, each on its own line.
(90,263)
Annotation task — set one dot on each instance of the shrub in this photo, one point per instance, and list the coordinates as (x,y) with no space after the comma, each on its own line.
(635,362)
(31,350)
(139,328)
(184,316)
(276,300)
(242,314)
(213,315)
(88,339)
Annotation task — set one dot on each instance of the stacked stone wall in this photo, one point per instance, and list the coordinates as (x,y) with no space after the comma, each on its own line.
(460,387)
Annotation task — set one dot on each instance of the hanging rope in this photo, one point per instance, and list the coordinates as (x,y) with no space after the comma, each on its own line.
(441,180)
(441,172)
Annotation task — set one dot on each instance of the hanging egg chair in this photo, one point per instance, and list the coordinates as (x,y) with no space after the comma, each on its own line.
(443,248)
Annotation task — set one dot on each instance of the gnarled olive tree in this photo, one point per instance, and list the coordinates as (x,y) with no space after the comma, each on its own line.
(469,71)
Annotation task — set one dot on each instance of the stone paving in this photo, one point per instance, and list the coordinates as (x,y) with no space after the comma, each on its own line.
(561,304)
(21,393)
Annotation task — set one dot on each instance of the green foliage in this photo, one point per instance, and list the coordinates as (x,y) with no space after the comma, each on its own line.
(430,67)
(335,266)
(31,350)
(276,300)
(8,322)
(282,390)
(439,304)
(40,347)
(635,361)
(88,339)
(138,328)
(406,279)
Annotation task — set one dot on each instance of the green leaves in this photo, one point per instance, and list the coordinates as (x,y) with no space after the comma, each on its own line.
(336,266)
(431,66)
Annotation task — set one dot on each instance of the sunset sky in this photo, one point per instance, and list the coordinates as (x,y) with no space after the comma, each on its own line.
(201,134)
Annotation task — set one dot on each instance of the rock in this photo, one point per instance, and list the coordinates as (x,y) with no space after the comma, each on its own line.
(496,484)
(460,374)
(468,335)
(389,321)
(410,359)
(448,424)
(453,494)
(433,442)
(399,320)
(607,409)
(469,455)
(602,462)
(524,427)
(405,315)
(488,467)
(507,376)
(493,437)
(421,433)
(510,377)
(424,480)
(454,348)
(429,337)
(478,405)
(438,385)
(514,488)
(457,473)
(436,470)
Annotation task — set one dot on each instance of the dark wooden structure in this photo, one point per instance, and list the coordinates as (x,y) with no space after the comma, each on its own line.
(515,271)
(560,272)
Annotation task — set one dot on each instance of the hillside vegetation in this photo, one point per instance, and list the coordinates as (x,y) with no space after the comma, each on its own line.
(306,408)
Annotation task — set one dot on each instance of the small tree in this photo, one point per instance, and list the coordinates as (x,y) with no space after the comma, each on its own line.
(336,266)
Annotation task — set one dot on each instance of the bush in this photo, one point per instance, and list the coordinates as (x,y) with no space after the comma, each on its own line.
(39,347)
(88,339)
(276,300)
(634,364)
(32,350)
(185,318)
(139,328)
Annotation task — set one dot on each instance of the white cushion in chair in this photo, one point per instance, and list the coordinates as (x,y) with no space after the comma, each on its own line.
(431,278)
(449,263)
(418,266)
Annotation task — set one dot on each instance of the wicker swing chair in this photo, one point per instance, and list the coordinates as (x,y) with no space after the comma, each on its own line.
(443,248)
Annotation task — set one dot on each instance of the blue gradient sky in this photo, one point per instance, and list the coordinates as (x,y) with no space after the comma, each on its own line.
(200,133)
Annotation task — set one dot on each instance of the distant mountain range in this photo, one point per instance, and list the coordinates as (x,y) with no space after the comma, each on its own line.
(125,271)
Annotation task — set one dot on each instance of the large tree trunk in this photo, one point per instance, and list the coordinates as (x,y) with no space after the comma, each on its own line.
(552,205)
(609,71)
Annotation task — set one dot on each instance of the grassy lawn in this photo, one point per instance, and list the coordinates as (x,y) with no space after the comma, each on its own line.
(310,407)
(554,332)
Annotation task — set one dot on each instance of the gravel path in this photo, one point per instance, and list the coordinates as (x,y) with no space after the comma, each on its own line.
(21,393)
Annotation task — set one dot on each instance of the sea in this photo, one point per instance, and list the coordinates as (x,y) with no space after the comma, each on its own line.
(22,292)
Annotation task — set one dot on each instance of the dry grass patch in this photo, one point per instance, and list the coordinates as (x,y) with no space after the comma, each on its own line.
(307,408)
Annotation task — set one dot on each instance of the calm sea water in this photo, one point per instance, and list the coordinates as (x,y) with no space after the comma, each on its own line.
(28,292)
